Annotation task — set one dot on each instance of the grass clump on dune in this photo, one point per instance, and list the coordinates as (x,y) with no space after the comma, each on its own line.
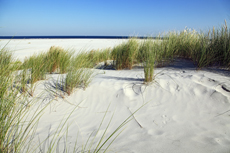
(94,56)
(57,59)
(125,54)
(84,60)
(205,50)
(13,108)
(22,81)
(147,55)
(183,44)
(37,68)
(14,133)
(79,73)
(219,45)
(211,49)
(97,56)
(77,78)
(105,55)
(36,64)
(60,61)
(7,97)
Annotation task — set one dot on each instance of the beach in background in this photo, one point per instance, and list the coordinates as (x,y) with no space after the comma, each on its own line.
(26,47)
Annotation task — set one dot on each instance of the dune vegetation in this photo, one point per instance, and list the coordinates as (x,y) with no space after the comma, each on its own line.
(18,79)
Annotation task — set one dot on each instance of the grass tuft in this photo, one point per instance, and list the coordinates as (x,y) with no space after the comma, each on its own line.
(79,78)
(125,54)
(147,55)
(57,59)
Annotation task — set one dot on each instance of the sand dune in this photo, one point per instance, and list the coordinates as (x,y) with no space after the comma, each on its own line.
(187,111)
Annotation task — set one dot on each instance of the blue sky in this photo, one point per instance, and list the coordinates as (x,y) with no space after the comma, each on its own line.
(109,17)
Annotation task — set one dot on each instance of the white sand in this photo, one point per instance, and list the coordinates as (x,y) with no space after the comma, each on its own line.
(188,110)
(26,47)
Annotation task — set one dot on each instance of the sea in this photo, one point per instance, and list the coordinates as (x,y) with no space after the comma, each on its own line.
(72,37)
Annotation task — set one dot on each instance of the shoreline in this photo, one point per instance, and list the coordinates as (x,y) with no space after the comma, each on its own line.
(75,37)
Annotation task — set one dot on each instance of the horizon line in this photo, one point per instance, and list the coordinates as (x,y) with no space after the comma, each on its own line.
(75,37)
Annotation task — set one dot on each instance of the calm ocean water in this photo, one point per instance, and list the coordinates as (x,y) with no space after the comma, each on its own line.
(69,37)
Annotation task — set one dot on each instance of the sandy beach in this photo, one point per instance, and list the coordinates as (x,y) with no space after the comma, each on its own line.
(185,110)
(26,47)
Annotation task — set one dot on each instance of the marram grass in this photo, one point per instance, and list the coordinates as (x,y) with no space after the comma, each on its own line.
(13,109)
(79,78)
(147,55)
(15,105)
(57,59)
(125,54)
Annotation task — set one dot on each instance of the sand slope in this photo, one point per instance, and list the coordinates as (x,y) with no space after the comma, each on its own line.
(187,110)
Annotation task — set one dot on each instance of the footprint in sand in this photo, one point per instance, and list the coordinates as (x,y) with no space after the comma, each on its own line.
(165,119)
(133,90)
(171,86)
(221,141)
(164,122)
